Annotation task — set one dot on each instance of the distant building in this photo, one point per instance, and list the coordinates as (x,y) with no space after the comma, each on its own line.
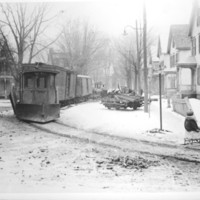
(155,68)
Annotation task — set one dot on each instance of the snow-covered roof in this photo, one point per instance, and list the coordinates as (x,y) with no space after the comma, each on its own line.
(170,70)
(190,60)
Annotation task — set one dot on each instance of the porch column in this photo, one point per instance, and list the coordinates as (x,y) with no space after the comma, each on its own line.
(177,78)
(5,88)
(193,80)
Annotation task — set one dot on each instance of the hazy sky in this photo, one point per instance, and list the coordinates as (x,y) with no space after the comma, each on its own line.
(112,16)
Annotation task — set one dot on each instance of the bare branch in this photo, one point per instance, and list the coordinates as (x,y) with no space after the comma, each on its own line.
(44,47)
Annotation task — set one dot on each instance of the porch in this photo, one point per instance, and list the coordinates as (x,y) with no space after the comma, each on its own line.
(186,73)
(186,85)
(170,82)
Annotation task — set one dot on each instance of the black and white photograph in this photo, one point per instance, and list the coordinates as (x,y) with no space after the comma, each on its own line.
(100,98)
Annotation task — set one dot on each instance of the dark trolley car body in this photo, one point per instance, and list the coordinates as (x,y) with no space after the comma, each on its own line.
(36,98)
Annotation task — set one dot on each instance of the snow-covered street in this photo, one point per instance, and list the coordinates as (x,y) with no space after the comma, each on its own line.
(35,161)
(127,123)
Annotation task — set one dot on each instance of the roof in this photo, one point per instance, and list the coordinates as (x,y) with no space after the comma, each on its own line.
(179,34)
(168,70)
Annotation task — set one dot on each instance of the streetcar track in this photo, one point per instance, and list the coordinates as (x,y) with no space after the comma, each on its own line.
(120,140)
(152,143)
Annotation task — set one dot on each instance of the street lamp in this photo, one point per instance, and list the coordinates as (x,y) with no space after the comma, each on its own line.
(137,82)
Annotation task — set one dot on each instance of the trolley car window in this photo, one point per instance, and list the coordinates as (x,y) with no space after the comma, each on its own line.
(41,81)
(52,81)
(29,81)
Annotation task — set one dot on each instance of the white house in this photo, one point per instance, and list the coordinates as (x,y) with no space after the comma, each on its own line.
(180,72)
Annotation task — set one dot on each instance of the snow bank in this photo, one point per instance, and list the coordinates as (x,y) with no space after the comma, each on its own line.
(93,116)
(126,123)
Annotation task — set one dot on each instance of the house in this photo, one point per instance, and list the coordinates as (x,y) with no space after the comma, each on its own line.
(194,34)
(6,78)
(179,75)
(169,74)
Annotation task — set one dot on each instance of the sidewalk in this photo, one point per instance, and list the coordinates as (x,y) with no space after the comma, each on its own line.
(171,120)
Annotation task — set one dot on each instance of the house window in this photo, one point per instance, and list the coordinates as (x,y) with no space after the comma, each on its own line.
(198,76)
(173,81)
(199,43)
(172,60)
(193,46)
(29,81)
(177,57)
(41,81)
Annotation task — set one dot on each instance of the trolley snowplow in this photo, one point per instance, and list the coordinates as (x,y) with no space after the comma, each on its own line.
(122,101)
(36,99)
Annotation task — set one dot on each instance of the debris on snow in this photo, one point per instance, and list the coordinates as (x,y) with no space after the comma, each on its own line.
(132,163)
(157,130)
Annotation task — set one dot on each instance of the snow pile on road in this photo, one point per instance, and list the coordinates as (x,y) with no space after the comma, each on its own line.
(95,117)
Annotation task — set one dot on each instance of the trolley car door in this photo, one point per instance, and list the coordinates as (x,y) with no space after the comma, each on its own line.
(40,96)
(52,89)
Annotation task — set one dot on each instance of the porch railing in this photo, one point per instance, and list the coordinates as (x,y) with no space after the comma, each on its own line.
(189,88)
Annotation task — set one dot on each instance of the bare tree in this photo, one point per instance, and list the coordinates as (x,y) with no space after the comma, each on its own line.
(127,60)
(8,55)
(24,25)
(127,56)
(80,43)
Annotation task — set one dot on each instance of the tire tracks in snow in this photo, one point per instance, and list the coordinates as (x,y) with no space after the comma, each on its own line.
(127,144)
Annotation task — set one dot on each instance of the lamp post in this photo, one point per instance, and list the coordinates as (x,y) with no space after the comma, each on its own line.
(137,72)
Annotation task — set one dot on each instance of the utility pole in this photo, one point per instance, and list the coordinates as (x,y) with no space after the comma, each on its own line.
(160,94)
(138,63)
(145,60)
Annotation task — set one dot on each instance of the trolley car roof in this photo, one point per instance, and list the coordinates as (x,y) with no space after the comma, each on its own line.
(41,67)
